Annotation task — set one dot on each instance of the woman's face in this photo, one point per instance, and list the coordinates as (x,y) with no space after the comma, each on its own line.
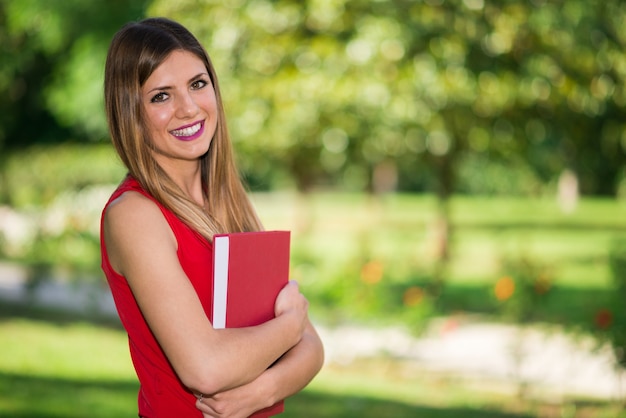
(181,109)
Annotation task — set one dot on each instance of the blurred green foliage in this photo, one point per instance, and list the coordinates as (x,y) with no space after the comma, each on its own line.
(52,55)
(36,176)
(53,199)
(522,290)
(363,95)
(610,321)
(340,90)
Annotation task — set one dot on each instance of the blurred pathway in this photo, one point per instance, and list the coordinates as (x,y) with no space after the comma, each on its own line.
(550,363)
(79,297)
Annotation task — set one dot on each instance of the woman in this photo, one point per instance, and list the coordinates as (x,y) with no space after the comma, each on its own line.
(167,124)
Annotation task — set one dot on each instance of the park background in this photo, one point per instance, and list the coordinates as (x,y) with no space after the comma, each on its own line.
(442,164)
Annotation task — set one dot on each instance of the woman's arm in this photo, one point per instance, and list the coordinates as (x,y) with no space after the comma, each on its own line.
(142,247)
(288,376)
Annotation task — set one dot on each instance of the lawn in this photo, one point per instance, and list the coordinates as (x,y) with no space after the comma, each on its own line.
(339,233)
(355,257)
(484,230)
(51,366)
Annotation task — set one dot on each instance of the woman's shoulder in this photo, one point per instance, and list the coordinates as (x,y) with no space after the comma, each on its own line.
(128,197)
(131,206)
(131,223)
(132,220)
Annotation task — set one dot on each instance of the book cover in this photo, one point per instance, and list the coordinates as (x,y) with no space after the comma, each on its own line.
(250,269)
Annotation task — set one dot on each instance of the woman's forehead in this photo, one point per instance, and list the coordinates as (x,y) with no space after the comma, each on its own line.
(178,66)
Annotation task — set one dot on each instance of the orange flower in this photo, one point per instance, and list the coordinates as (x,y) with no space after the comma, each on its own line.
(604,318)
(413,296)
(372,272)
(504,289)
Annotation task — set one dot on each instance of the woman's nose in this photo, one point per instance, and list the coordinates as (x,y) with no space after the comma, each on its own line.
(187,106)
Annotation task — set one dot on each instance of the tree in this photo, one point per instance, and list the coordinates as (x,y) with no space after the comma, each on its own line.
(53,59)
(375,92)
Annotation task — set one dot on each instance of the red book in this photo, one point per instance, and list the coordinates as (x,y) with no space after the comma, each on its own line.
(249,270)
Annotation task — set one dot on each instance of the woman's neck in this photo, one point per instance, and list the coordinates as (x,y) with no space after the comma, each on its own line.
(187,176)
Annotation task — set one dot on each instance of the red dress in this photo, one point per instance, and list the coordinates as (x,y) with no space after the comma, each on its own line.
(161,393)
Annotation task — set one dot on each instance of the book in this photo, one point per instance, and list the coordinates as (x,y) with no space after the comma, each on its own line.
(249,270)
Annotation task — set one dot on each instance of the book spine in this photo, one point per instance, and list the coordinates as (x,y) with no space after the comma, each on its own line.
(221,247)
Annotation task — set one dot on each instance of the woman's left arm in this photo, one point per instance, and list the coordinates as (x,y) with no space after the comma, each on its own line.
(290,374)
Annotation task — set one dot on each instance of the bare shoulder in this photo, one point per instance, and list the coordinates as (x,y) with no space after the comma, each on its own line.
(133,222)
(130,202)
(132,210)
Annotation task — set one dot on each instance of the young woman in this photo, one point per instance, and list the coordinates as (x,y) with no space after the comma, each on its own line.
(167,124)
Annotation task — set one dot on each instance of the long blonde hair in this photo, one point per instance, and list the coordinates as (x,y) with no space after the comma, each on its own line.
(135,52)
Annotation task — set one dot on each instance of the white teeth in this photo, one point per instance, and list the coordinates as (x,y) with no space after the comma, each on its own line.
(187,131)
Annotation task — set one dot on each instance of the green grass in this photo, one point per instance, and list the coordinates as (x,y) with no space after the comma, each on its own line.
(52,365)
(58,368)
(336,232)
(402,225)
(64,370)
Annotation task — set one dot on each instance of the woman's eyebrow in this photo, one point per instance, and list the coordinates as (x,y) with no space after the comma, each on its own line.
(194,78)
(200,75)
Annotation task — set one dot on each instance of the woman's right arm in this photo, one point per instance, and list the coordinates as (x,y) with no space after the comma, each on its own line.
(142,247)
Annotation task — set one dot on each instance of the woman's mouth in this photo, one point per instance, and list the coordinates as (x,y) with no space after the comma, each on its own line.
(187,133)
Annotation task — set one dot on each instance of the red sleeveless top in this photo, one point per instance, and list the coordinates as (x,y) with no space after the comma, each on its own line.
(161,393)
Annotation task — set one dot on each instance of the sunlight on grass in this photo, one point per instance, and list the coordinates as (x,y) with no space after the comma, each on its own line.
(400,227)
(81,351)
(78,370)
(82,370)
(403,383)
(70,370)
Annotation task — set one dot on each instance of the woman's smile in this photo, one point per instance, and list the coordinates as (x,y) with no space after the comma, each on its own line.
(189,132)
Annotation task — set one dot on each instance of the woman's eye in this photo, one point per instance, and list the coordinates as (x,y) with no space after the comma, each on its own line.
(198,84)
(159,97)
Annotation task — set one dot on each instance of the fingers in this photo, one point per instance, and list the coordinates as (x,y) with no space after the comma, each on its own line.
(289,299)
(207,412)
(293,285)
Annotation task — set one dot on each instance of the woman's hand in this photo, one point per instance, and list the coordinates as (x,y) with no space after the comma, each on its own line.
(240,402)
(291,302)
(223,406)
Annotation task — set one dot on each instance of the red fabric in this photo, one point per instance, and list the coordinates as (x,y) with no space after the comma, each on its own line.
(161,393)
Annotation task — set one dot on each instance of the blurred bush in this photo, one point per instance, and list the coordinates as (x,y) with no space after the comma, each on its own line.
(52,198)
(36,176)
(365,287)
(522,288)
(610,322)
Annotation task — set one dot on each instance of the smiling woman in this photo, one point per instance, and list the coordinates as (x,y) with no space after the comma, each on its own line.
(167,123)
